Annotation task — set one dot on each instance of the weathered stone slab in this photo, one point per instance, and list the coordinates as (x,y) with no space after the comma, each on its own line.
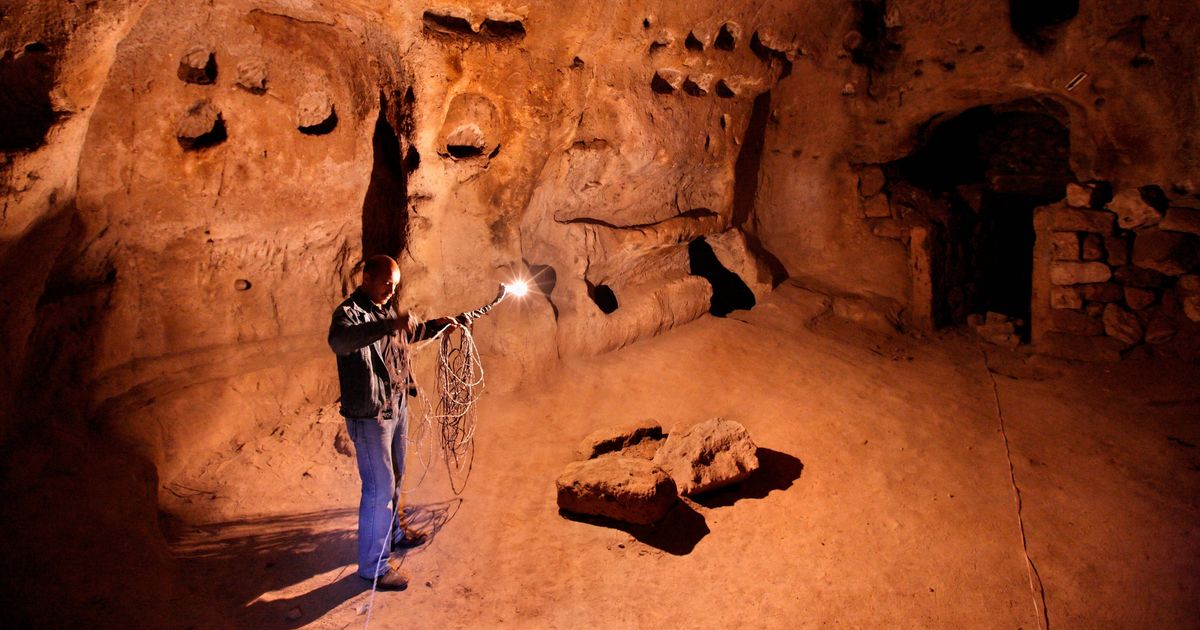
(1065,297)
(314,113)
(1132,211)
(1170,253)
(1160,329)
(1189,283)
(1076,323)
(1191,307)
(1063,273)
(619,437)
(622,488)
(1075,220)
(1104,292)
(710,455)
(1064,246)
(877,207)
(1093,247)
(1118,250)
(999,333)
(1138,299)
(198,65)
(252,76)
(1079,195)
(1122,325)
(1133,276)
(200,126)
(871,181)
(1181,220)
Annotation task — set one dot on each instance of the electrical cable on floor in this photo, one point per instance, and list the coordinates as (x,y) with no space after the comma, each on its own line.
(1037,589)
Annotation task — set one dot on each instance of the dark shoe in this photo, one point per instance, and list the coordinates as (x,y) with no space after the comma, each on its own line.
(411,538)
(393,580)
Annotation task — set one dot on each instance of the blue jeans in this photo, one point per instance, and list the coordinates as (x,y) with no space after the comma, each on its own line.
(379,448)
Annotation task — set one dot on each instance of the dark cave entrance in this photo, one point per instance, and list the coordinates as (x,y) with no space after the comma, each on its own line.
(385,206)
(975,182)
(729,291)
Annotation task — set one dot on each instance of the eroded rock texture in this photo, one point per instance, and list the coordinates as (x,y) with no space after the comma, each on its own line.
(188,187)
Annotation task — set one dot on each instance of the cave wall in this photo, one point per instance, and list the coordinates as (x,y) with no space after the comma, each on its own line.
(185,186)
(226,155)
(873,78)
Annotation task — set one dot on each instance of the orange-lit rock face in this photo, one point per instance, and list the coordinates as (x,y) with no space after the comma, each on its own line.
(215,185)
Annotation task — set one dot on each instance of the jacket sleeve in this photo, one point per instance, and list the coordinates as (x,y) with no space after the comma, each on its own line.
(430,329)
(346,336)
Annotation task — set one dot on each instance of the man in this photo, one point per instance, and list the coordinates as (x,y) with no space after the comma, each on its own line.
(371,362)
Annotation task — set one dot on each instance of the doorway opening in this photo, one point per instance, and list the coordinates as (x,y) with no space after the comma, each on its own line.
(975,182)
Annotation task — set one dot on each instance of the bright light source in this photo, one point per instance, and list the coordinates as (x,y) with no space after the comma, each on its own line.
(518,288)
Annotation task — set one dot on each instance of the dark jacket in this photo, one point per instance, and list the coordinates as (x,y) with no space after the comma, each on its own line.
(361,334)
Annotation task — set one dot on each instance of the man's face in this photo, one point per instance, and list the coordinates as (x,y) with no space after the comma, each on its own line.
(382,285)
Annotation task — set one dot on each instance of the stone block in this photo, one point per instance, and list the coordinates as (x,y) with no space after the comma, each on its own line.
(1138,299)
(315,113)
(1079,195)
(1064,246)
(1118,250)
(1094,309)
(877,207)
(200,126)
(1133,276)
(1160,329)
(1189,283)
(1122,325)
(1093,247)
(622,488)
(252,76)
(1169,253)
(616,438)
(888,228)
(1076,323)
(1063,273)
(1132,211)
(871,181)
(999,333)
(1075,220)
(1190,304)
(198,65)
(1090,349)
(710,455)
(1065,297)
(1103,292)
(1181,220)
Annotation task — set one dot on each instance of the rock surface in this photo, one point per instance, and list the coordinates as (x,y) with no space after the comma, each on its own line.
(1063,273)
(626,489)
(616,438)
(708,456)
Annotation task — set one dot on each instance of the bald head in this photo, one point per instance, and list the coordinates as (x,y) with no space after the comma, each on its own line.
(381,278)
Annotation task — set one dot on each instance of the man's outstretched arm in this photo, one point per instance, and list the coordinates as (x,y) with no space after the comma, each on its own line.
(346,336)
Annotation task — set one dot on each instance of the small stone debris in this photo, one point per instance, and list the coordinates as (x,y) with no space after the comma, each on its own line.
(198,65)
(200,126)
(315,113)
(252,76)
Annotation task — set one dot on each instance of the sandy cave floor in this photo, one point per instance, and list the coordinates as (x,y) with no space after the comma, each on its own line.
(884,498)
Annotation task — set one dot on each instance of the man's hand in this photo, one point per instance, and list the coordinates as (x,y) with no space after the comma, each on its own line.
(405,323)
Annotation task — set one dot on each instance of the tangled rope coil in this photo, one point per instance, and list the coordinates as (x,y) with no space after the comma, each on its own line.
(459,380)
